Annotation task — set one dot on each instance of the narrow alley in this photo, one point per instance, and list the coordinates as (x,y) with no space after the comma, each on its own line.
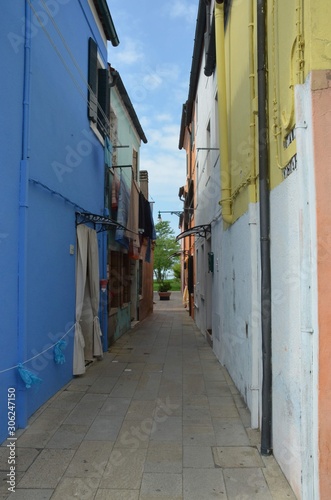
(157,418)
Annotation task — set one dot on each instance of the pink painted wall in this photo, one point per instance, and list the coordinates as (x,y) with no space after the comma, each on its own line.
(321,106)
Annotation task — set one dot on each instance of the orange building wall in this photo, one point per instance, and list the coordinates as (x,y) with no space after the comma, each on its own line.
(321,106)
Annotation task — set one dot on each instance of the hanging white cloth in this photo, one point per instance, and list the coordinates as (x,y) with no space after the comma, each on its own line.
(87,268)
(81,273)
(93,265)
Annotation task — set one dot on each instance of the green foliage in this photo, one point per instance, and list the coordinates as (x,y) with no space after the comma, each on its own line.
(175,285)
(177,270)
(164,252)
(165,286)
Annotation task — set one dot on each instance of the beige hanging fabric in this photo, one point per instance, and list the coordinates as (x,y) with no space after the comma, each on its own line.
(87,300)
(81,275)
(94,281)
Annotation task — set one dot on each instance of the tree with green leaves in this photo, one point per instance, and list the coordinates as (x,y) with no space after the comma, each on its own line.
(165,250)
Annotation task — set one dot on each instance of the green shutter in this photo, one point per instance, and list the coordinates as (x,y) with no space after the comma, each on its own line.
(104,101)
(93,80)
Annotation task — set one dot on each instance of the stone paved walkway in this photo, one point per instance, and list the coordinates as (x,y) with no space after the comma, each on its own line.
(158,418)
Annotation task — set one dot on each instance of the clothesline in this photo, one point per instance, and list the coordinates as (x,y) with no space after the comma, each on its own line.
(39,354)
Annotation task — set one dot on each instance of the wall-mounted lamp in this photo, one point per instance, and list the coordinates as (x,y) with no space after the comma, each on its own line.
(172,212)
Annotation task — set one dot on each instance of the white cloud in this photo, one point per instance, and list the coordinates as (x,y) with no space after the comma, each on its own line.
(164,138)
(130,51)
(152,81)
(163,117)
(185,10)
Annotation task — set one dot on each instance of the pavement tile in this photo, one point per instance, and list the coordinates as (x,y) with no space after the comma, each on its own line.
(165,457)
(135,434)
(245,416)
(246,484)
(194,384)
(104,428)
(124,469)
(140,408)
(4,492)
(218,388)
(68,437)
(154,367)
(82,415)
(90,459)
(277,483)
(76,487)
(25,457)
(196,415)
(31,494)
(66,400)
(198,457)
(169,429)
(117,495)
(161,486)
(42,428)
(223,407)
(103,385)
(203,484)
(230,432)
(47,470)
(124,388)
(115,406)
(236,456)
(194,400)
(168,406)
(198,434)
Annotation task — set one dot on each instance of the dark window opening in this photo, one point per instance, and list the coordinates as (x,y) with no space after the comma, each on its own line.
(98,91)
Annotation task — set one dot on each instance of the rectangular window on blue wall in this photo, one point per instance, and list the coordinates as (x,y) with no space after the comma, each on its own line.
(98,91)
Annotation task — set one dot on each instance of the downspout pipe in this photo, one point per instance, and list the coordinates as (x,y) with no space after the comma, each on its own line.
(22,416)
(226,201)
(264,191)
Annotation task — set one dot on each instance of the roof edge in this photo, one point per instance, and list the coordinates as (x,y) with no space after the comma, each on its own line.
(107,21)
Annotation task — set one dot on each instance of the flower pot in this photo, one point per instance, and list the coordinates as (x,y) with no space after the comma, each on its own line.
(164,295)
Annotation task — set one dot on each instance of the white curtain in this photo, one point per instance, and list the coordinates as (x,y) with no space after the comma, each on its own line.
(94,281)
(87,267)
(81,275)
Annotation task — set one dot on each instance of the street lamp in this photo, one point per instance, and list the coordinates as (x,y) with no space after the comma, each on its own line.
(172,212)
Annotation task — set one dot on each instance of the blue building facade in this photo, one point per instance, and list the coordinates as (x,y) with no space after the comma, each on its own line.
(53,108)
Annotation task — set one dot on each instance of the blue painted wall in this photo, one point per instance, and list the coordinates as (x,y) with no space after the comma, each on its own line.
(66,171)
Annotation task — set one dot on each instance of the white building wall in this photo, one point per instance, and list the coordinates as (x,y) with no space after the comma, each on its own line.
(207,193)
(226,300)
(294,313)
(236,321)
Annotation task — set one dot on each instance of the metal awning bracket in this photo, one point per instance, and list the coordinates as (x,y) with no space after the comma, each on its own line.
(201,231)
(100,222)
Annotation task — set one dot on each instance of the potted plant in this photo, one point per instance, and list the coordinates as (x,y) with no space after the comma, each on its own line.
(164,290)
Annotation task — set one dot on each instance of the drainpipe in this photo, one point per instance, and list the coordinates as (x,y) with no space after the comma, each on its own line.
(266,437)
(222,113)
(22,417)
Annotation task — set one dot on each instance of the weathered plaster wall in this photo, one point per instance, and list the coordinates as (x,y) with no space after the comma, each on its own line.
(321,109)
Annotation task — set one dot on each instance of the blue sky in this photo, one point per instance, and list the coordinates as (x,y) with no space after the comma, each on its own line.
(154,60)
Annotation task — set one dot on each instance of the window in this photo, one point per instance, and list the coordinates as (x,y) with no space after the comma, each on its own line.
(98,91)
